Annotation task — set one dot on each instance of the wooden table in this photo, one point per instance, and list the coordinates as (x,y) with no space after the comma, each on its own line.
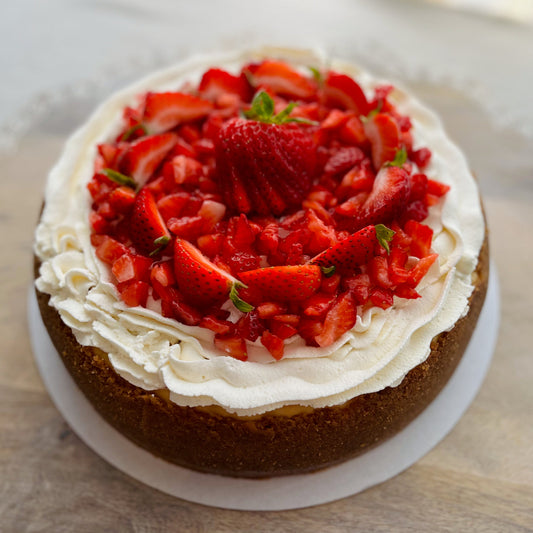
(480,478)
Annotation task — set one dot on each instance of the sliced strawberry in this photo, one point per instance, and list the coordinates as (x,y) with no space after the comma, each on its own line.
(421,236)
(270,309)
(250,326)
(282,79)
(343,160)
(386,202)
(164,111)
(122,199)
(384,136)
(350,253)
(200,280)
(343,91)
(217,82)
(143,156)
(232,345)
(134,293)
(273,344)
(282,329)
(381,297)
(147,225)
(216,324)
(284,283)
(183,169)
(340,318)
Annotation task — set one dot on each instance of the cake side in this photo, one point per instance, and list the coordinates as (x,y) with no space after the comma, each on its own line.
(272,443)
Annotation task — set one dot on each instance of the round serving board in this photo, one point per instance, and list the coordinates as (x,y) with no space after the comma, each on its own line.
(281,493)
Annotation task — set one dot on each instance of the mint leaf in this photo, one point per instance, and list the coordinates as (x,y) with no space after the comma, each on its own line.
(384,236)
(317,75)
(119,178)
(262,109)
(128,133)
(238,302)
(399,159)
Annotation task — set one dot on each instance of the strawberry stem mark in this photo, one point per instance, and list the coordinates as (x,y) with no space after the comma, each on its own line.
(119,178)
(318,76)
(328,271)
(262,110)
(399,159)
(160,243)
(384,235)
(238,302)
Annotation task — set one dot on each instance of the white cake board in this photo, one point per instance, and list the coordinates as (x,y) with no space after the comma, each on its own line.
(289,492)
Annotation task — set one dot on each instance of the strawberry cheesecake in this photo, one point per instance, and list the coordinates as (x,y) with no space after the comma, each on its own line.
(261,263)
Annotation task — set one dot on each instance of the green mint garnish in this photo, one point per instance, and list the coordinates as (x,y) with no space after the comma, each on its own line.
(160,242)
(238,302)
(317,75)
(119,178)
(328,271)
(384,236)
(128,133)
(399,159)
(263,110)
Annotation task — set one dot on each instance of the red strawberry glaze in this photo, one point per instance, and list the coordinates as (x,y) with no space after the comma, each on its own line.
(303,214)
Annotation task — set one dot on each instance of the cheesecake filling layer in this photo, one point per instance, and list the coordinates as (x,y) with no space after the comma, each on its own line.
(154,352)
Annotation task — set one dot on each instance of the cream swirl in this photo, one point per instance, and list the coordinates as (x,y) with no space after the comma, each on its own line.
(154,352)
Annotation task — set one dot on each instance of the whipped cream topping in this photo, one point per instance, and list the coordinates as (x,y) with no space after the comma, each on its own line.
(154,352)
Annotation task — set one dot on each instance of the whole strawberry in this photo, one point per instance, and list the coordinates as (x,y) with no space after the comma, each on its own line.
(265,165)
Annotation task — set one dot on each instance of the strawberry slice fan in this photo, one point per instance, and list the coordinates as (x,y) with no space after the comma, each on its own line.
(293,196)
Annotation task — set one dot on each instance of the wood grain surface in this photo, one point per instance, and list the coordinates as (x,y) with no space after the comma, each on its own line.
(479,479)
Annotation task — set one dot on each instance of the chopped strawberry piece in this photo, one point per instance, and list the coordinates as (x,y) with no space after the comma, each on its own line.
(217,325)
(210,244)
(212,212)
(284,283)
(340,318)
(189,228)
(163,274)
(421,236)
(384,136)
(134,293)
(250,326)
(378,270)
(147,225)
(270,309)
(282,329)
(293,320)
(359,287)
(216,83)
(282,79)
(353,132)
(98,223)
(342,90)
(108,249)
(381,297)
(404,291)
(421,157)
(185,313)
(182,169)
(232,345)
(318,304)
(143,156)
(273,344)
(330,284)
(164,111)
(171,206)
(122,199)
(421,269)
(131,267)
(344,159)
(437,188)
